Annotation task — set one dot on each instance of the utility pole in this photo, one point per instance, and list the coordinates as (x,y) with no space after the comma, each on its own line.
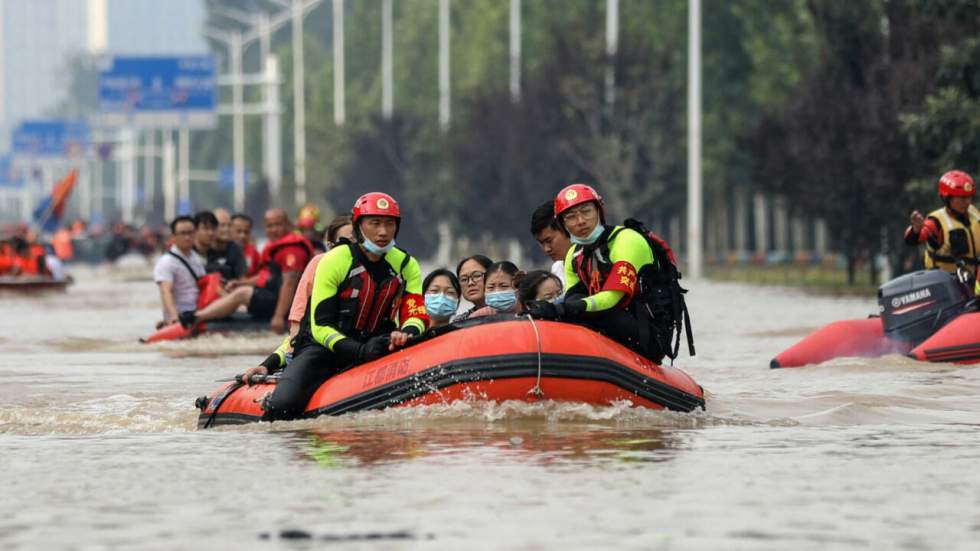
(149,169)
(169,185)
(444,113)
(515,50)
(612,46)
(299,104)
(387,79)
(238,121)
(272,131)
(184,163)
(694,202)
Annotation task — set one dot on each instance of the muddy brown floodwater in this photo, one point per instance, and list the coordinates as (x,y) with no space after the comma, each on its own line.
(98,447)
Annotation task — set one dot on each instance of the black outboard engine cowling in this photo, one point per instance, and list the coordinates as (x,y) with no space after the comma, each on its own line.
(916,305)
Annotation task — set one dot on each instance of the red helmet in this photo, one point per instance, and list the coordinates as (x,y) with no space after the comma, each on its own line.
(575,195)
(957,183)
(375,204)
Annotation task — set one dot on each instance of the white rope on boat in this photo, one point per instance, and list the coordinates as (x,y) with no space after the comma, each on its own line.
(536,389)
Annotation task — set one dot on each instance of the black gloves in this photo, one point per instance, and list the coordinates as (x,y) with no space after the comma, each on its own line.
(357,351)
(544,310)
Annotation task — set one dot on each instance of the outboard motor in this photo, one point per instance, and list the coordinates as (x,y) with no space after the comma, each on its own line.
(916,305)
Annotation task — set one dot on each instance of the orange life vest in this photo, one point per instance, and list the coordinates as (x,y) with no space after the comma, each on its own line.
(269,271)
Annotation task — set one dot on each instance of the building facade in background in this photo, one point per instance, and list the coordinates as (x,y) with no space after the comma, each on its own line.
(39,37)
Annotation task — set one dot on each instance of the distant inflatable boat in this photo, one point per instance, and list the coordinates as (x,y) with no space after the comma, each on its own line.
(495,359)
(236,323)
(927,315)
(34,284)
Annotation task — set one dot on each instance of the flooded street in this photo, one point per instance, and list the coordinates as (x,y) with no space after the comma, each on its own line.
(100,448)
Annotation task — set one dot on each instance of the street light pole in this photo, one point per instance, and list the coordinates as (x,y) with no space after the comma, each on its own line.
(299,104)
(339,99)
(272,131)
(694,201)
(515,50)
(612,46)
(444,109)
(387,80)
(238,120)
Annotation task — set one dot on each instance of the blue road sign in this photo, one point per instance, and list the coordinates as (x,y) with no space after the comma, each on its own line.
(226,177)
(158,91)
(184,208)
(51,138)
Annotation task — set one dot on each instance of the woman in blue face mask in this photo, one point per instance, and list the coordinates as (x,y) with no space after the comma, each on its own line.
(442,292)
(500,290)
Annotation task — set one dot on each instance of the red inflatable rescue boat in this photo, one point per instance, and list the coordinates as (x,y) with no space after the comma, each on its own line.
(236,323)
(208,291)
(928,315)
(498,358)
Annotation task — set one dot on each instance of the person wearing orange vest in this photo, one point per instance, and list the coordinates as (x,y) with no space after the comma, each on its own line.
(29,259)
(61,242)
(269,292)
(6,258)
(951,234)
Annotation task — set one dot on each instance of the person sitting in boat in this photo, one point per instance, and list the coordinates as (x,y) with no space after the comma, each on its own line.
(952,233)
(269,293)
(442,293)
(54,266)
(205,227)
(552,237)
(225,256)
(539,285)
(601,271)
(29,257)
(339,228)
(176,272)
(366,301)
(308,225)
(470,271)
(500,290)
(241,233)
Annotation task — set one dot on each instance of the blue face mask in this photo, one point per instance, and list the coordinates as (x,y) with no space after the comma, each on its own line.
(591,238)
(374,249)
(502,301)
(440,307)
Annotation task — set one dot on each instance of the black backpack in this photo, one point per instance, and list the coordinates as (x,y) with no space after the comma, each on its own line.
(659,301)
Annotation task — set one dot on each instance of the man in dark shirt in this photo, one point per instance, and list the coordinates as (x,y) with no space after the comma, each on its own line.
(225,256)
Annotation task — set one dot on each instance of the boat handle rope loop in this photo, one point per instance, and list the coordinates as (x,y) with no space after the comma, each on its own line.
(536,389)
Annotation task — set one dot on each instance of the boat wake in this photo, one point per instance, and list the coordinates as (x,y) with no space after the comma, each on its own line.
(215,345)
(119,413)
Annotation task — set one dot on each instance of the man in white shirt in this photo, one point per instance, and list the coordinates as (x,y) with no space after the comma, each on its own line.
(551,236)
(177,271)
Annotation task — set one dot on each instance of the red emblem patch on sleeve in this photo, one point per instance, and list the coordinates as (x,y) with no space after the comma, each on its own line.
(413,306)
(622,277)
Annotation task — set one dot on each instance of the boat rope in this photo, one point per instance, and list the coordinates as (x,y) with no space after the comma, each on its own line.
(536,389)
